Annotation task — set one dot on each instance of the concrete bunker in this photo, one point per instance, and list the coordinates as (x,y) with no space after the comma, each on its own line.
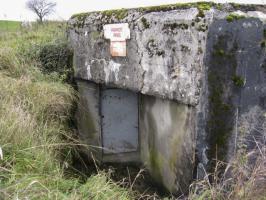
(126,126)
(145,98)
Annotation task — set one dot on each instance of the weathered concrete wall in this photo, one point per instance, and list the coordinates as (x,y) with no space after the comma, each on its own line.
(234,85)
(166,65)
(166,135)
(205,57)
(88,118)
(168,141)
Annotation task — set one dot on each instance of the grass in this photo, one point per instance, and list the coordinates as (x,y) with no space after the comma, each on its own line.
(243,178)
(7,26)
(35,134)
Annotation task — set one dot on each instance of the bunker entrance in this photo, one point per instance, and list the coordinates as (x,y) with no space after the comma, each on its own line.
(119,117)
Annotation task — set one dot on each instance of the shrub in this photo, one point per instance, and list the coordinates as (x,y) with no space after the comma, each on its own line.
(56,57)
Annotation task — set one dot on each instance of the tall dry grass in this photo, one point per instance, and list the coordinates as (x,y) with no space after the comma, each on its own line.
(35,135)
(243,178)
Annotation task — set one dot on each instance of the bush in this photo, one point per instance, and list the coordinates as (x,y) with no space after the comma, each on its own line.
(56,57)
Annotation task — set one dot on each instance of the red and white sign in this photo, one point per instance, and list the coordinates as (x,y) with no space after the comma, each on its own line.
(117,34)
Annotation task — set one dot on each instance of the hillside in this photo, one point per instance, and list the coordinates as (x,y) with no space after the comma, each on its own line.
(7,26)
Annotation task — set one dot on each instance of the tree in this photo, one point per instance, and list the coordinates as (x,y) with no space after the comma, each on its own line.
(41,8)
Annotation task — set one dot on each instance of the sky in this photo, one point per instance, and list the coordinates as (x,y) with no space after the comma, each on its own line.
(16,9)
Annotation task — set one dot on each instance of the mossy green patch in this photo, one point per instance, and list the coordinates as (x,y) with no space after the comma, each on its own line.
(145,23)
(232,17)
(156,163)
(80,16)
(95,35)
(173,26)
(238,81)
(80,19)
(202,28)
(199,5)
(219,52)
(220,121)
(200,14)
(118,13)
(205,6)
(219,6)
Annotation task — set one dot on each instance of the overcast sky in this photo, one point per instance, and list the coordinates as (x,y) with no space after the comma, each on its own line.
(16,10)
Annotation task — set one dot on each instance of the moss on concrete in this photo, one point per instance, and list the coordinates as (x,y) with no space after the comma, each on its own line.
(232,17)
(220,121)
(156,163)
(145,23)
(118,13)
(174,26)
(202,28)
(95,35)
(122,13)
(199,5)
(238,81)
(80,20)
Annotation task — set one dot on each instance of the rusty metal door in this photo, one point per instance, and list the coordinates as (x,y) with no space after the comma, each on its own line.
(119,110)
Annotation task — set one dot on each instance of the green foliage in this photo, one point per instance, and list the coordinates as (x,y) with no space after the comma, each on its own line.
(56,57)
(199,5)
(204,6)
(122,13)
(238,81)
(118,14)
(232,17)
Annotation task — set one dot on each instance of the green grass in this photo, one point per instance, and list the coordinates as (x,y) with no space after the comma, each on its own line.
(6,25)
(35,134)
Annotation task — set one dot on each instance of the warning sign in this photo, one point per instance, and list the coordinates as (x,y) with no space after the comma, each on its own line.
(117,34)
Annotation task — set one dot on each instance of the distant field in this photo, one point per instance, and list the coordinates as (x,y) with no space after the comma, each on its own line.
(9,25)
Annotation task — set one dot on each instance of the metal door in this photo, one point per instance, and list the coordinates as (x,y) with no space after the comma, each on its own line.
(119,110)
